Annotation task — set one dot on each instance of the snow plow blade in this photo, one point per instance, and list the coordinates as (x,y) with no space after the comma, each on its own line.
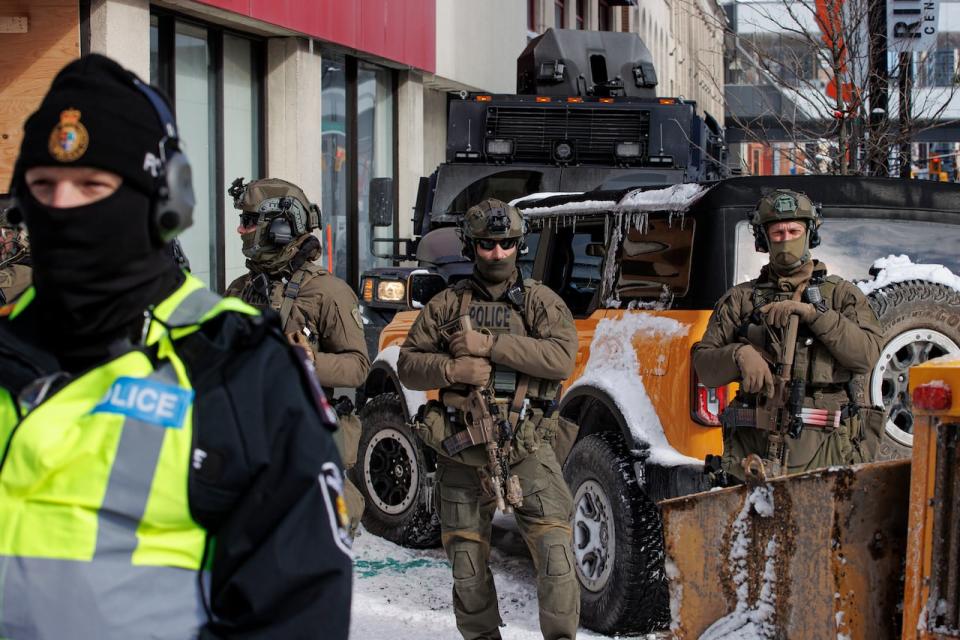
(815,555)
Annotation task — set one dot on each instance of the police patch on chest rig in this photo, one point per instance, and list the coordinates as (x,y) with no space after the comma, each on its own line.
(490,316)
(331,484)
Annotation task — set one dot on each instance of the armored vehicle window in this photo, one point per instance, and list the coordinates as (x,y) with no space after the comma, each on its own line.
(505,186)
(849,246)
(655,260)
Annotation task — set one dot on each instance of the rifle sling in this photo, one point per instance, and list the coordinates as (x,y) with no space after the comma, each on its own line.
(459,441)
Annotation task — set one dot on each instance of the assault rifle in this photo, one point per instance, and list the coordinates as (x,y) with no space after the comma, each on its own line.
(781,413)
(486,425)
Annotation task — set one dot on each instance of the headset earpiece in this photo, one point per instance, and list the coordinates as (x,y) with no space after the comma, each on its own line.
(173,208)
(173,200)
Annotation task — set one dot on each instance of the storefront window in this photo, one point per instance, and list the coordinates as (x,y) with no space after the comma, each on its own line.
(334,166)
(214,79)
(241,148)
(375,154)
(194,107)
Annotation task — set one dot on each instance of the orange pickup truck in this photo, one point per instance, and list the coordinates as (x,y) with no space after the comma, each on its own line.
(641,270)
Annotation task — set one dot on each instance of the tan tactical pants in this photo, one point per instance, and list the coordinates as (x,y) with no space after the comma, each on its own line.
(347,439)
(544,521)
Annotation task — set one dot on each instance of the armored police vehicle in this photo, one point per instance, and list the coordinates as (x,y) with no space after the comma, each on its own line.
(586,116)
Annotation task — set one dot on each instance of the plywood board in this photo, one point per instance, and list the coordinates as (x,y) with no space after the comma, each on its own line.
(28,65)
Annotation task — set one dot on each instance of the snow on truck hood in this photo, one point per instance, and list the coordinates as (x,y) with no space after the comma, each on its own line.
(678,197)
(614,369)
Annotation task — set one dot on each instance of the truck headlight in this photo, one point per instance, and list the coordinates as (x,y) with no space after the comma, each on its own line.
(391,291)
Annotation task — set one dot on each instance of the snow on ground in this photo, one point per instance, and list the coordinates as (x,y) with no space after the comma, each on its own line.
(900,269)
(414,399)
(614,368)
(406,594)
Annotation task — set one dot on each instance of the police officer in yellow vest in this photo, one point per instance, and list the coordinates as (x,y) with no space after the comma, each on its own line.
(318,311)
(168,465)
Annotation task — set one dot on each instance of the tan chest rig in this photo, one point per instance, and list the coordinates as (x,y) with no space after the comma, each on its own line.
(497,317)
(812,361)
(279,294)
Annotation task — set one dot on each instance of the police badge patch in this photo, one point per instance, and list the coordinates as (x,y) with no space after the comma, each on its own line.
(331,483)
(69,139)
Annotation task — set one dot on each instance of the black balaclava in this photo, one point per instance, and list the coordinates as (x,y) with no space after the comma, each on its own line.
(97,267)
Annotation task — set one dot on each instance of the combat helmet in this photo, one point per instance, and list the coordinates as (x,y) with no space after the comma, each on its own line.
(280,210)
(491,219)
(17,235)
(782,205)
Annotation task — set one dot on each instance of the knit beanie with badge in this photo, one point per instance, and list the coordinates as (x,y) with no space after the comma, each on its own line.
(98,265)
(93,116)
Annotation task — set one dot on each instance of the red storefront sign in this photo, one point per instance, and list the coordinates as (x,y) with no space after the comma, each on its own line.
(398,30)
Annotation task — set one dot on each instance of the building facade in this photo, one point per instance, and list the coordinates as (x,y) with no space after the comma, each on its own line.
(324,93)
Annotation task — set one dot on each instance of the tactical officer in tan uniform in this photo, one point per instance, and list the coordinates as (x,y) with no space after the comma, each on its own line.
(318,311)
(838,341)
(15,271)
(521,341)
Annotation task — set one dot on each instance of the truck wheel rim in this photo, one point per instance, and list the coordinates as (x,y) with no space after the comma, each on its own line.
(888,383)
(593,536)
(390,471)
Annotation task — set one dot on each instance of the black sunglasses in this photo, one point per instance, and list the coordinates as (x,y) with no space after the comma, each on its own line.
(488,244)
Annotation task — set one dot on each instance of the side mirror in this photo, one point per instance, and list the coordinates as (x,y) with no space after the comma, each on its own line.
(422,286)
(381,202)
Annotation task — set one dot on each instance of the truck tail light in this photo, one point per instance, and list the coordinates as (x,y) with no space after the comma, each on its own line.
(707,403)
(933,396)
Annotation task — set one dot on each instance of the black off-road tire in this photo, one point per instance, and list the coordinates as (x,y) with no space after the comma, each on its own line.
(920,321)
(633,597)
(391,474)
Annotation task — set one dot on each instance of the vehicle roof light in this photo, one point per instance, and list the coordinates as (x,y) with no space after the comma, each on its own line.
(543,99)
(933,396)
(484,98)
(627,149)
(606,100)
(668,101)
(574,99)
(499,147)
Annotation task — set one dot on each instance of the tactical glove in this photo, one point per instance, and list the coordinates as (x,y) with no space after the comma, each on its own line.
(778,313)
(297,339)
(754,371)
(471,343)
(468,370)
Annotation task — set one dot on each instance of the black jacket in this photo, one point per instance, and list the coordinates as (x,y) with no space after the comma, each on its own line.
(260,481)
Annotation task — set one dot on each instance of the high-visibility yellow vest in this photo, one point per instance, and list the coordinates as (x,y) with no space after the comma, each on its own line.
(96,536)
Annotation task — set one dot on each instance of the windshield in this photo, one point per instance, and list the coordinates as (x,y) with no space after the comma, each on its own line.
(506,186)
(850,246)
